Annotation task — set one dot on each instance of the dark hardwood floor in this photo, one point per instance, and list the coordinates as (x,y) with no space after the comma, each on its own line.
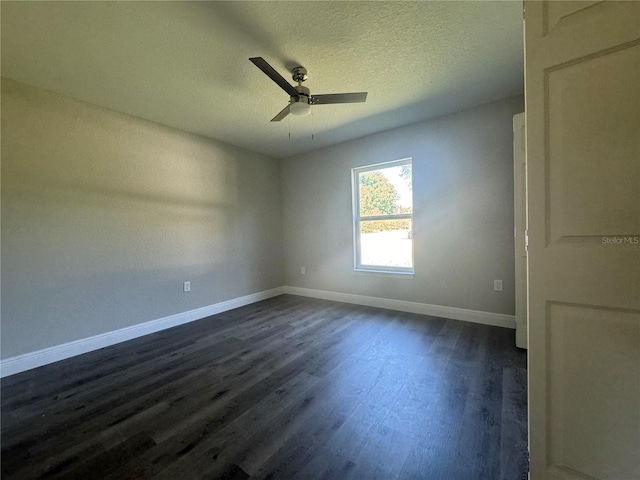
(290,387)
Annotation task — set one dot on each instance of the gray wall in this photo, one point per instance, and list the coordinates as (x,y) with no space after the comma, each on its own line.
(463,211)
(105,215)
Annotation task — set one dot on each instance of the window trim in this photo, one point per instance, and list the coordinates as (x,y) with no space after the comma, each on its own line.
(356,219)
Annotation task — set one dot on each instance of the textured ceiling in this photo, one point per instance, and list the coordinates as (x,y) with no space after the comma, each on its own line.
(185,64)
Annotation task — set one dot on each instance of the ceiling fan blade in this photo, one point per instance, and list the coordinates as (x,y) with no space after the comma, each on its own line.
(339,98)
(271,72)
(283,113)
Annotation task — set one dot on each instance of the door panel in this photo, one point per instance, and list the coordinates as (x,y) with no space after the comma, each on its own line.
(556,12)
(582,85)
(588,157)
(594,431)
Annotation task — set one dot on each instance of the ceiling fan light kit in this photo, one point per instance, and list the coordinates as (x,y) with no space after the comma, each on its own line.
(300,98)
(300,107)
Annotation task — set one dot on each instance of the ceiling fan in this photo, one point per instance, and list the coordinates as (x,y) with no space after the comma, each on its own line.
(300,100)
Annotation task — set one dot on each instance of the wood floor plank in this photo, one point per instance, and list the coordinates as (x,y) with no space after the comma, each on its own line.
(513,447)
(287,388)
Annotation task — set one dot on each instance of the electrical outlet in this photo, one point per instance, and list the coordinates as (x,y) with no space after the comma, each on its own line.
(187,286)
(497,285)
(303,270)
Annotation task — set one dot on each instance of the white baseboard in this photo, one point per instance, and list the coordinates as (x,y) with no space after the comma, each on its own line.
(27,361)
(486,318)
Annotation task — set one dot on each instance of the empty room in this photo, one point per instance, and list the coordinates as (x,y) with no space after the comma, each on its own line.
(312,240)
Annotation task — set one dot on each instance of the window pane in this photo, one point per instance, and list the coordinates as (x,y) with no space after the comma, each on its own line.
(385,191)
(386,243)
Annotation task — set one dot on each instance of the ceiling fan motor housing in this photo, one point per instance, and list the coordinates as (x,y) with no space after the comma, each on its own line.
(301,104)
(303,92)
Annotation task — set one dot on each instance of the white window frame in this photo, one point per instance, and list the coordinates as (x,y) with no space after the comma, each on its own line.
(355,189)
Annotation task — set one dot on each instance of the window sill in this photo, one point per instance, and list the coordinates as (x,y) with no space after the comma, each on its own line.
(383,273)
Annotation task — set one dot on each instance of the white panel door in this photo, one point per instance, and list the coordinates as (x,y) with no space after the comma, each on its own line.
(582,83)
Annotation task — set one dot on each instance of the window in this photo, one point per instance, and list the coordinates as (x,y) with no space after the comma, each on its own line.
(383,217)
